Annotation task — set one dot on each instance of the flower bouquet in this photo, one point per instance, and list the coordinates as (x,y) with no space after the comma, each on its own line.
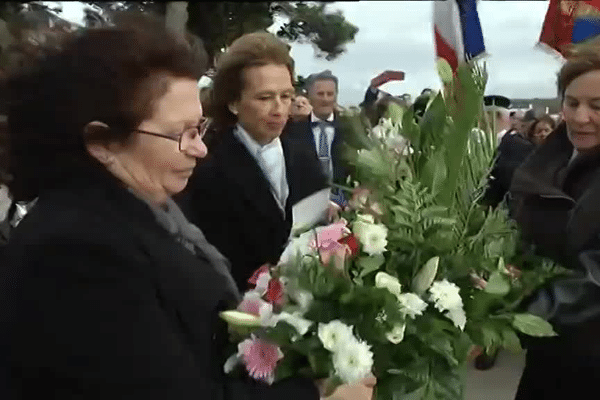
(411,276)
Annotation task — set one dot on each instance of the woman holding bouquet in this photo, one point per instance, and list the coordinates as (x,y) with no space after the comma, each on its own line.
(556,196)
(255,173)
(107,291)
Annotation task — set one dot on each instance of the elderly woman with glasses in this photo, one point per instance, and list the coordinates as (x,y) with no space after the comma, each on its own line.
(107,291)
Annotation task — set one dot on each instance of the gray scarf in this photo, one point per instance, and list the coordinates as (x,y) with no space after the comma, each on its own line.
(172,219)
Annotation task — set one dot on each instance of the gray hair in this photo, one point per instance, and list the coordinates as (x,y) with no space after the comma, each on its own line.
(321,76)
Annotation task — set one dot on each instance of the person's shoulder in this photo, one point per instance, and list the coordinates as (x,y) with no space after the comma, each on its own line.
(67,218)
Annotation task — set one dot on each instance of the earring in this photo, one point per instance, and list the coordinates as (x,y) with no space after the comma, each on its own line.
(233,110)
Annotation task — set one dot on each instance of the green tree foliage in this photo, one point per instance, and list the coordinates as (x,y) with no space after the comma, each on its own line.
(220,23)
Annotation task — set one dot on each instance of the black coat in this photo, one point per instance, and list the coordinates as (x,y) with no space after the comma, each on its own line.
(98,301)
(556,205)
(512,152)
(301,131)
(229,198)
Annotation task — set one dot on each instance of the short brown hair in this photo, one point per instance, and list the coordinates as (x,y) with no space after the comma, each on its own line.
(250,50)
(581,59)
(109,74)
(544,118)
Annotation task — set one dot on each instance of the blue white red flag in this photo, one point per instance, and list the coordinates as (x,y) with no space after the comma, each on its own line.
(458,35)
(570,22)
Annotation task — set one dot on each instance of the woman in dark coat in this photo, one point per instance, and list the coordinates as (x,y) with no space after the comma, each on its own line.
(107,291)
(556,195)
(256,173)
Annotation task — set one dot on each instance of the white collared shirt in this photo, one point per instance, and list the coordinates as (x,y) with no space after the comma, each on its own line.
(271,160)
(329,131)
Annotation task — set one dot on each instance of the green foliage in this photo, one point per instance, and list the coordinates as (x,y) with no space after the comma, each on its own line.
(311,23)
(218,24)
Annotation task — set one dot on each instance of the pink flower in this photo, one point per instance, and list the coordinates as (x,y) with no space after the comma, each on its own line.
(260,358)
(338,251)
(330,233)
(262,270)
(375,208)
(252,303)
(360,197)
(478,282)
(512,271)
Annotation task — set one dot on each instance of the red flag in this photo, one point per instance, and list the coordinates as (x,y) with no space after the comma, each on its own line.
(558,26)
(570,22)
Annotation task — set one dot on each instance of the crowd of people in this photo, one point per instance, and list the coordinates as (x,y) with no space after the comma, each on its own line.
(129,230)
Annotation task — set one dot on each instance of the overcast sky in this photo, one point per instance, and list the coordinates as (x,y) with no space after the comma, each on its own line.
(398,35)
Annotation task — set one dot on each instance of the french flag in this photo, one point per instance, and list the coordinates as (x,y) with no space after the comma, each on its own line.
(458,35)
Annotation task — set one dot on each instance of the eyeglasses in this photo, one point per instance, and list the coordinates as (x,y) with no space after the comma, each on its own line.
(185,138)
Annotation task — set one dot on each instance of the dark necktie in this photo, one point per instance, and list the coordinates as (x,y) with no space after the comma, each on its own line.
(323,148)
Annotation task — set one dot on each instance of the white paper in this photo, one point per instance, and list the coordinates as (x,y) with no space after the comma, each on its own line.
(311,210)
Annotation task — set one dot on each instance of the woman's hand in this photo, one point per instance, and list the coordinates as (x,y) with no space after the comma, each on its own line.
(333,212)
(358,391)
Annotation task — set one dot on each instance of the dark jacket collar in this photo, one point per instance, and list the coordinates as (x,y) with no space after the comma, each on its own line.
(242,170)
(543,174)
(538,172)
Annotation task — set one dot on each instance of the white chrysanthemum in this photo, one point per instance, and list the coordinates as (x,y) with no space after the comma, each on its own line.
(363,221)
(411,305)
(373,237)
(445,295)
(386,281)
(396,335)
(353,361)
(397,143)
(334,334)
(458,317)
(378,132)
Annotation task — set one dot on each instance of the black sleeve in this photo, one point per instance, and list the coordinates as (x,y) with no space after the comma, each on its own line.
(91,324)
(370,97)
(575,299)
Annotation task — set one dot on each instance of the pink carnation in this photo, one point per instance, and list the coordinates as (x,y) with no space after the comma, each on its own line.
(360,197)
(260,358)
(252,303)
(330,233)
(338,251)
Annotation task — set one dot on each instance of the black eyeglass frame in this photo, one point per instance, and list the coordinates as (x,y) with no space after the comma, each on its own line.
(202,128)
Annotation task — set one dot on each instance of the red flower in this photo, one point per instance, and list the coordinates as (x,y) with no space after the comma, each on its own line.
(352,243)
(513,272)
(274,293)
(254,278)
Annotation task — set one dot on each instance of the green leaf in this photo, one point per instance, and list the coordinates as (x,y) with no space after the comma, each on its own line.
(425,277)
(395,113)
(443,346)
(491,337)
(510,340)
(370,264)
(374,161)
(415,395)
(498,284)
(444,70)
(533,325)
(434,172)
(320,362)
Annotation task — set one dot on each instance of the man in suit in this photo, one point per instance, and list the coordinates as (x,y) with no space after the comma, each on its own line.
(320,132)
(242,196)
